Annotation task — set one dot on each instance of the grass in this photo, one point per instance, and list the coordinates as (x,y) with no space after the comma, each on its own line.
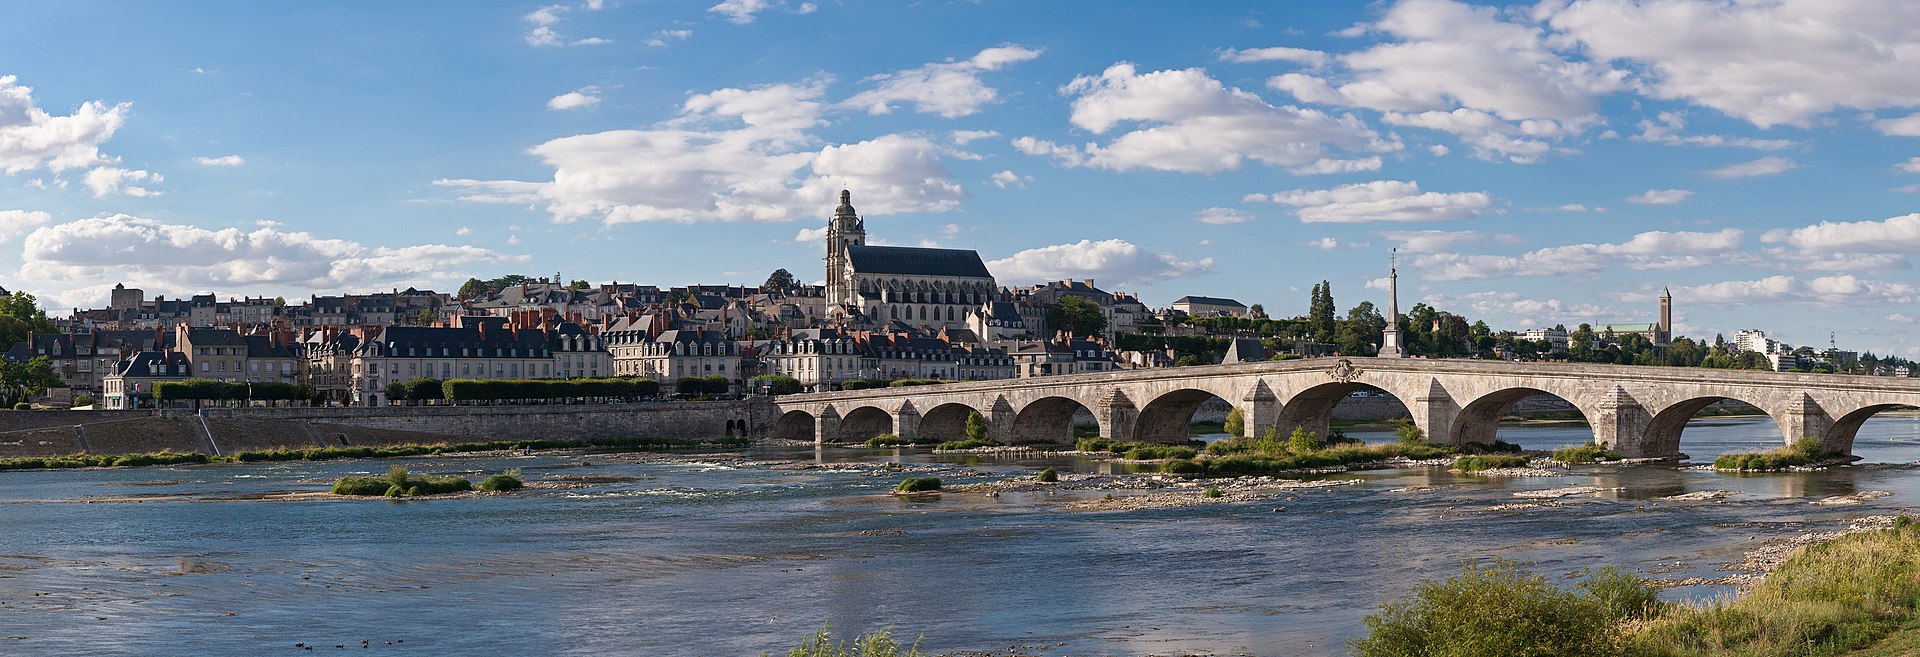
(1047,476)
(505,481)
(1854,592)
(1149,452)
(1204,428)
(1499,608)
(1804,451)
(352,452)
(1488,462)
(400,483)
(1265,462)
(878,643)
(953,445)
(1588,453)
(918,484)
(1212,492)
(887,440)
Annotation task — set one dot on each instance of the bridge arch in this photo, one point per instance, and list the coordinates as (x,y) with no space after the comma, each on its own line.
(1168,418)
(946,422)
(1839,437)
(1479,419)
(1312,408)
(1663,433)
(864,422)
(1050,419)
(794,425)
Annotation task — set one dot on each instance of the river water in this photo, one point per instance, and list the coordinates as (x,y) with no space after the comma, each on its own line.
(716,557)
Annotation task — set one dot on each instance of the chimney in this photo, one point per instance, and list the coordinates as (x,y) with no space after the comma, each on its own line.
(1089,282)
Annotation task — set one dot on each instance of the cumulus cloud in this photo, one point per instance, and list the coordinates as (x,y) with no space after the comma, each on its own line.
(541,32)
(178,256)
(114,180)
(1668,127)
(31,138)
(1007,178)
(1330,244)
(1765,166)
(1441,241)
(964,137)
(1220,216)
(1527,312)
(742,12)
(16,222)
(1769,63)
(1896,235)
(222,161)
(1186,121)
(1906,126)
(731,155)
(1118,261)
(949,89)
(1462,69)
(1649,250)
(581,99)
(1313,58)
(1909,166)
(661,38)
(1380,200)
(1822,292)
(1660,197)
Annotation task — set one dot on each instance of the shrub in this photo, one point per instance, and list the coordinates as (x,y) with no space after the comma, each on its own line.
(953,445)
(918,484)
(1181,466)
(1047,476)
(1302,441)
(1236,423)
(1492,609)
(976,426)
(1488,462)
(774,384)
(1407,432)
(502,482)
(1621,594)
(360,486)
(1149,452)
(873,644)
(1212,491)
(1804,451)
(886,440)
(1587,453)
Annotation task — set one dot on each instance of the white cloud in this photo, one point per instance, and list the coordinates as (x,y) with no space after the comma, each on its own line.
(1660,197)
(1898,318)
(1461,69)
(1007,178)
(1526,312)
(1573,207)
(1329,165)
(1909,166)
(16,222)
(660,38)
(463,231)
(1380,200)
(1908,189)
(950,89)
(1649,250)
(114,180)
(583,98)
(742,12)
(1220,216)
(1313,58)
(1843,290)
(1897,235)
(1441,241)
(177,256)
(964,137)
(1330,244)
(1771,62)
(1667,128)
(31,138)
(811,235)
(1765,166)
(1120,262)
(1906,126)
(543,35)
(222,161)
(1189,122)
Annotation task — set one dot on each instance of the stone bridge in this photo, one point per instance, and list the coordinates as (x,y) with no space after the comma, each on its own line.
(1638,411)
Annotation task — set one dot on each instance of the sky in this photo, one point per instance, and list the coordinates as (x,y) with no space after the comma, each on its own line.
(1534,164)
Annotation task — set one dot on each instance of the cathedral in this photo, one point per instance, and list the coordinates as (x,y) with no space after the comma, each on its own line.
(927,289)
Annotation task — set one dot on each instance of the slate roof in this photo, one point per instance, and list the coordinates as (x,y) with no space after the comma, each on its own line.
(915,261)
(1244,350)
(1209,301)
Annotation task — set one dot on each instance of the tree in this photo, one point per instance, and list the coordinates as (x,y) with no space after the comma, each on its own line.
(26,309)
(1257,311)
(781,279)
(1188,360)
(279,302)
(1236,424)
(1077,316)
(580,285)
(425,317)
(32,377)
(976,426)
(1362,331)
(1320,313)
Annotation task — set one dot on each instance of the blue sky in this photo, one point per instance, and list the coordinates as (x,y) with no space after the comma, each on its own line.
(1536,163)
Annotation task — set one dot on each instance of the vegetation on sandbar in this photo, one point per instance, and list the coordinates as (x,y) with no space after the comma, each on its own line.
(352,452)
(1588,453)
(1805,451)
(918,485)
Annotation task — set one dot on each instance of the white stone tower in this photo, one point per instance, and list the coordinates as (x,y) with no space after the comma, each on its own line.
(843,230)
(1392,340)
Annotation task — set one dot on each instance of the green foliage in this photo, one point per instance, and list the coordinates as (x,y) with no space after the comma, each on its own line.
(1488,462)
(1181,466)
(399,483)
(1076,315)
(1492,609)
(1188,360)
(1302,442)
(774,384)
(702,385)
(1147,452)
(505,481)
(976,426)
(1623,595)
(160,458)
(1407,432)
(952,445)
(1236,423)
(362,486)
(1804,451)
(918,484)
(873,644)
(489,389)
(475,287)
(1212,492)
(1588,453)
(907,383)
(22,406)
(887,440)
(1047,476)
(205,389)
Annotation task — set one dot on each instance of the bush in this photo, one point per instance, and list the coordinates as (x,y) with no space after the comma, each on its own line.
(1236,423)
(873,644)
(1804,451)
(360,486)
(1212,491)
(1407,432)
(1492,609)
(1048,476)
(399,483)
(976,426)
(1588,453)
(887,440)
(510,480)
(953,445)
(918,484)
(774,384)
(1149,452)
(1302,441)
(1181,466)
(1621,594)
(1488,462)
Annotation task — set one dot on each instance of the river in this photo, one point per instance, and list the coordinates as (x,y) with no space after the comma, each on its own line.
(717,557)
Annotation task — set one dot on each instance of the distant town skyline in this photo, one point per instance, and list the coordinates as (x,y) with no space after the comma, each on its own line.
(1536,163)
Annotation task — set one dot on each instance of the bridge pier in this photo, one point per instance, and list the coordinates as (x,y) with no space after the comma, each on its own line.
(1433,411)
(826,427)
(1000,417)
(1261,410)
(1621,424)
(1806,419)
(1117,415)
(906,423)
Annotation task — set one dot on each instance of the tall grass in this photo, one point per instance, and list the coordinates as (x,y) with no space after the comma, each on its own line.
(399,482)
(918,484)
(878,643)
(887,440)
(1488,462)
(1588,453)
(1499,608)
(954,445)
(1804,451)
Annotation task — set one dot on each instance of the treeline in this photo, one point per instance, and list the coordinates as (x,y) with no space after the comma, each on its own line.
(429,389)
(209,389)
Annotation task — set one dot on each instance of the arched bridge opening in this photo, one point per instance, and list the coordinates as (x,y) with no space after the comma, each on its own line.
(793,425)
(1479,422)
(1172,417)
(1315,408)
(945,422)
(1713,426)
(863,423)
(1052,420)
(1878,427)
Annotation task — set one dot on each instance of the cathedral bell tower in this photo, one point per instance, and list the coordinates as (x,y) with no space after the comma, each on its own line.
(843,230)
